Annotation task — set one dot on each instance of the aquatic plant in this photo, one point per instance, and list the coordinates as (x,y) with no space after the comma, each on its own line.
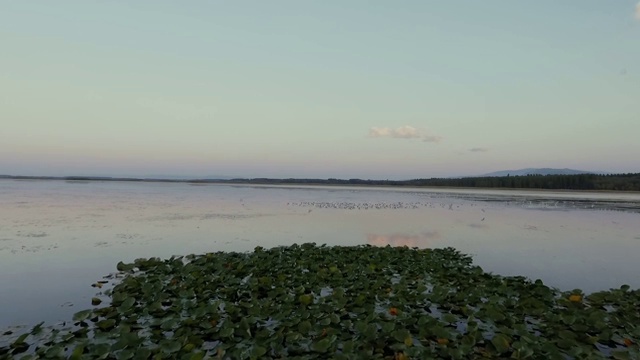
(313,302)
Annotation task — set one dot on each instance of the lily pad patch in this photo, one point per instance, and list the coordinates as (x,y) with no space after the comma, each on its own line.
(316,302)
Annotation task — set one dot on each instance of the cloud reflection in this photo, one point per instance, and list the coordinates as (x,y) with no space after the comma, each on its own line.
(422,240)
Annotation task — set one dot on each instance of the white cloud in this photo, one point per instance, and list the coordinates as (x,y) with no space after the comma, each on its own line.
(379,132)
(403,132)
(479,149)
(638,11)
(406,132)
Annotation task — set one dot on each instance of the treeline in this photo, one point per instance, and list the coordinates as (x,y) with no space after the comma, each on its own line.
(619,182)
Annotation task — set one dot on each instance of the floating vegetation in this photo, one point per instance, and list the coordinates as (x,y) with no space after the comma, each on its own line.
(315,302)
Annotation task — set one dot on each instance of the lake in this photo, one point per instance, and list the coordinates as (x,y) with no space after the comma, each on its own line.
(59,237)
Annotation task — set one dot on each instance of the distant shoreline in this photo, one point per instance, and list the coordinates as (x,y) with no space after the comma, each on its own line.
(580,182)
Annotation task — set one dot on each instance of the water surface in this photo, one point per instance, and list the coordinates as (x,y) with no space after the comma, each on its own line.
(57,237)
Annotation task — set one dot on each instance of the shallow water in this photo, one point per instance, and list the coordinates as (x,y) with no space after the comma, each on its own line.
(57,237)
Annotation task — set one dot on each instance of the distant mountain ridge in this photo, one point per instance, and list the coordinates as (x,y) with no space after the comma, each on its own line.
(540,171)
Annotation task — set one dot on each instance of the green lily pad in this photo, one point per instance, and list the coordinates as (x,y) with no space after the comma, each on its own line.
(106,324)
(82,315)
(321,346)
(170,346)
(501,343)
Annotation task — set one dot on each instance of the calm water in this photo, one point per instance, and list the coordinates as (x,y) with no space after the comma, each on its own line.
(57,237)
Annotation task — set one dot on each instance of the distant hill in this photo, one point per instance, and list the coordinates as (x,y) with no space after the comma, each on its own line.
(540,171)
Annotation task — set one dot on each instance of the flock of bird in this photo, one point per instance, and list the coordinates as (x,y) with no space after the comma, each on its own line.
(540,204)
(368,206)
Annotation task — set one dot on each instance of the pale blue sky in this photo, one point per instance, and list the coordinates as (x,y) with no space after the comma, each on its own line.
(369,89)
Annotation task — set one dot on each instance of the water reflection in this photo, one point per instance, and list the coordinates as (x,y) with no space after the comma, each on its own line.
(422,240)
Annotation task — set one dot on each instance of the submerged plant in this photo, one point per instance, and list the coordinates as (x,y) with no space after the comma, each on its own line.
(314,302)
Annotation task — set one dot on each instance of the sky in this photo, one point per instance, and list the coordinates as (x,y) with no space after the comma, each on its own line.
(333,88)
